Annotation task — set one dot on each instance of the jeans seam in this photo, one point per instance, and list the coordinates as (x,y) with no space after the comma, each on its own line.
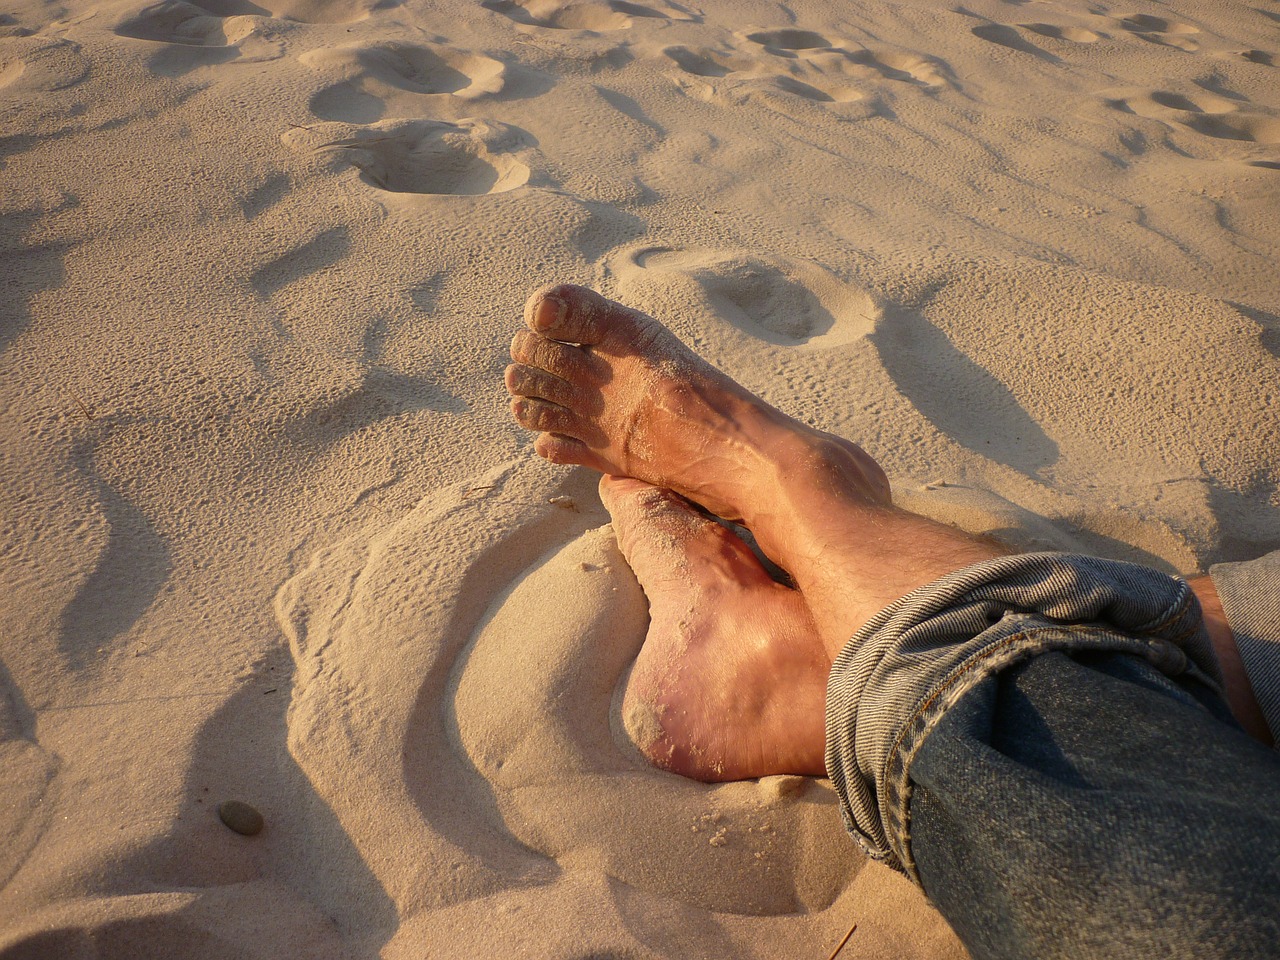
(1173,615)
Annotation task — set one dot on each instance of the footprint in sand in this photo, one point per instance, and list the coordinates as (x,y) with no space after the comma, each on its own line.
(1003,35)
(787,63)
(218,37)
(1249,128)
(731,77)
(10,27)
(176,21)
(395,77)
(786,42)
(594,15)
(467,158)
(1167,33)
(231,29)
(302,11)
(904,66)
(1028,37)
(31,64)
(1169,105)
(1187,37)
(1067,33)
(775,299)
(708,63)
(1206,113)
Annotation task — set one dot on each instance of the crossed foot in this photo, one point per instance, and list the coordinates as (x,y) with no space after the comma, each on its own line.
(731,681)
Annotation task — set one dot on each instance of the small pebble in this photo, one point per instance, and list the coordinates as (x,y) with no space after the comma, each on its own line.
(240,817)
(564,503)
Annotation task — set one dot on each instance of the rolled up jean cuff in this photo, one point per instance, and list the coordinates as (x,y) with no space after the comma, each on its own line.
(916,658)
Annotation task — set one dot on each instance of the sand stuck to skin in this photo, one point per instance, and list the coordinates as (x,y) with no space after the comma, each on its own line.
(270,536)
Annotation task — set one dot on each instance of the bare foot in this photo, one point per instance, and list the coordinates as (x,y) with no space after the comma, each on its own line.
(612,389)
(731,681)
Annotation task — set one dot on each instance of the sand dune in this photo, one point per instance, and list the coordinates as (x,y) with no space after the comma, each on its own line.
(269,534)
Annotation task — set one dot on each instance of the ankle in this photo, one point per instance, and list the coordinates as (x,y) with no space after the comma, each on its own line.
(852,556)
(804,474)
(899,553)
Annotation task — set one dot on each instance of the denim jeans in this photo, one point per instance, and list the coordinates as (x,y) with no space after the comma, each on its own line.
(1039,742)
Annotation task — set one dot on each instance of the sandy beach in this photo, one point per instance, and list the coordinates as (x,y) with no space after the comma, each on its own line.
(269,532)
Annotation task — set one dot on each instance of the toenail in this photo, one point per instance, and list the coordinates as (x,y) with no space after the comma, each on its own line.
(541,318)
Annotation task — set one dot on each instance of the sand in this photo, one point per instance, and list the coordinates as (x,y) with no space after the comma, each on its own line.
(269,534)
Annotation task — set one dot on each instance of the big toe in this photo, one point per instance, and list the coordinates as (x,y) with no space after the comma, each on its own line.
(640,510)
(617,491)
(574,314)
(631,502)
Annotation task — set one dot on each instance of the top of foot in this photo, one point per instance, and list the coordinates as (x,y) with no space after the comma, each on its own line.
(611,388)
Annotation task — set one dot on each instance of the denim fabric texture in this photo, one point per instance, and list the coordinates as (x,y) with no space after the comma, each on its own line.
(1087,806)
(1250,594)
(896,680)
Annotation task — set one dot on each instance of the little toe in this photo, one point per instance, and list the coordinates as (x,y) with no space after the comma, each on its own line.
(558,448)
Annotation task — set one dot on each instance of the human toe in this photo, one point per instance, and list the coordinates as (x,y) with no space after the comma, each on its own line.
(574,314)
(615,489)
(558,448)
(561,359)
(631,501)
(656,528)
(567,312)
(525,381)
(545,416)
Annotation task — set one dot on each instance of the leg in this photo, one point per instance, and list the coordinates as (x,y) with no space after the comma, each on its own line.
(1090,807)
(1099,785)
(1086,806)
(732,678)
(1069,806)
(610,388)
